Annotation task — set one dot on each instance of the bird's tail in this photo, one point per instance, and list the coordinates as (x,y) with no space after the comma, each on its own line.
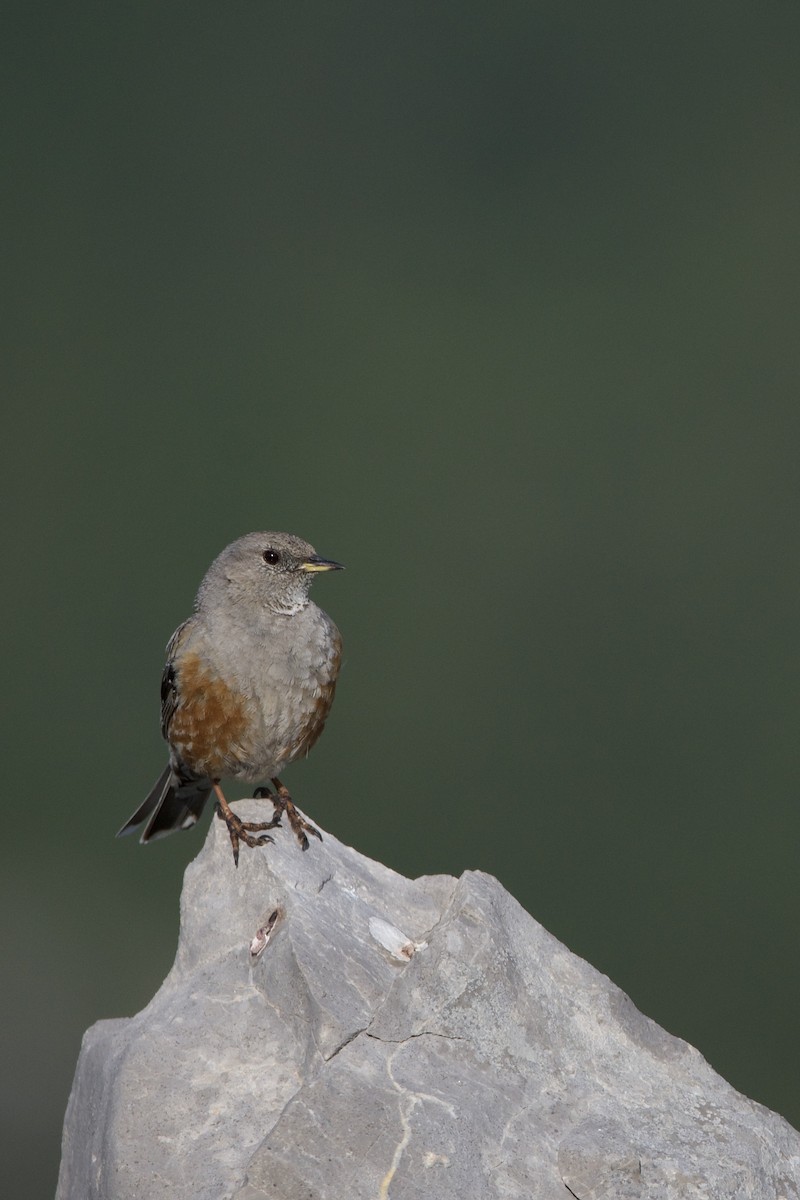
(172,804)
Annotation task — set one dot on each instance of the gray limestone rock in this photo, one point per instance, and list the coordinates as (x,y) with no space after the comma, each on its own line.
(385,1038)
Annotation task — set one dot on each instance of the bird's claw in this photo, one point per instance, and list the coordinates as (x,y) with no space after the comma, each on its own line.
(244,831)
(284,804)
(307,827)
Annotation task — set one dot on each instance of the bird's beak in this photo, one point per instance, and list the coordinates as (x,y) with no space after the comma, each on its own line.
(315,563)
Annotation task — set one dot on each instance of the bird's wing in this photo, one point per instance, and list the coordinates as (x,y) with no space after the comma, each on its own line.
(169,686)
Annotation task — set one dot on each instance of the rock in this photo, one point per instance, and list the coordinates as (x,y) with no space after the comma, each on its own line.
(387,1038)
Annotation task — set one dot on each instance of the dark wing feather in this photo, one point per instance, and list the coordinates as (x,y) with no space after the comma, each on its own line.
(178,796)
(169,687)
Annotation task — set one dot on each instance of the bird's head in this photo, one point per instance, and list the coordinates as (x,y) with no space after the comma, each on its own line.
(268,570)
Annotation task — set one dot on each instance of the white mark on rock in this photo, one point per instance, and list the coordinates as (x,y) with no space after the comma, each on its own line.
(435,1160)
(399,945)
(408,1102)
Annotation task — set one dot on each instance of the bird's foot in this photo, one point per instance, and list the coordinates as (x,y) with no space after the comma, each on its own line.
(284,804)
(243,831)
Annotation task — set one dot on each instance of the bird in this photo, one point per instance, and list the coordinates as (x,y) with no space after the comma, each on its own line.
(247,686)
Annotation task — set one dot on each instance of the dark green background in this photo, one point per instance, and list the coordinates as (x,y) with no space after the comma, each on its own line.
(498,304)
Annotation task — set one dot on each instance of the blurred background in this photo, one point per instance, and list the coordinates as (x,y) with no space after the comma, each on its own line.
(497,304)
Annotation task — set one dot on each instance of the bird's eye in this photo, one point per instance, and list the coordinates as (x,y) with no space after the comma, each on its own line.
(272,557)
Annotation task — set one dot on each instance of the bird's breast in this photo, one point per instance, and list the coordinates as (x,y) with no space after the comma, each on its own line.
(294,686)
(253,700)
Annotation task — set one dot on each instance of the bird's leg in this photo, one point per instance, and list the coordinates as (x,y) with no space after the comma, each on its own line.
(240,830)
(284,804)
